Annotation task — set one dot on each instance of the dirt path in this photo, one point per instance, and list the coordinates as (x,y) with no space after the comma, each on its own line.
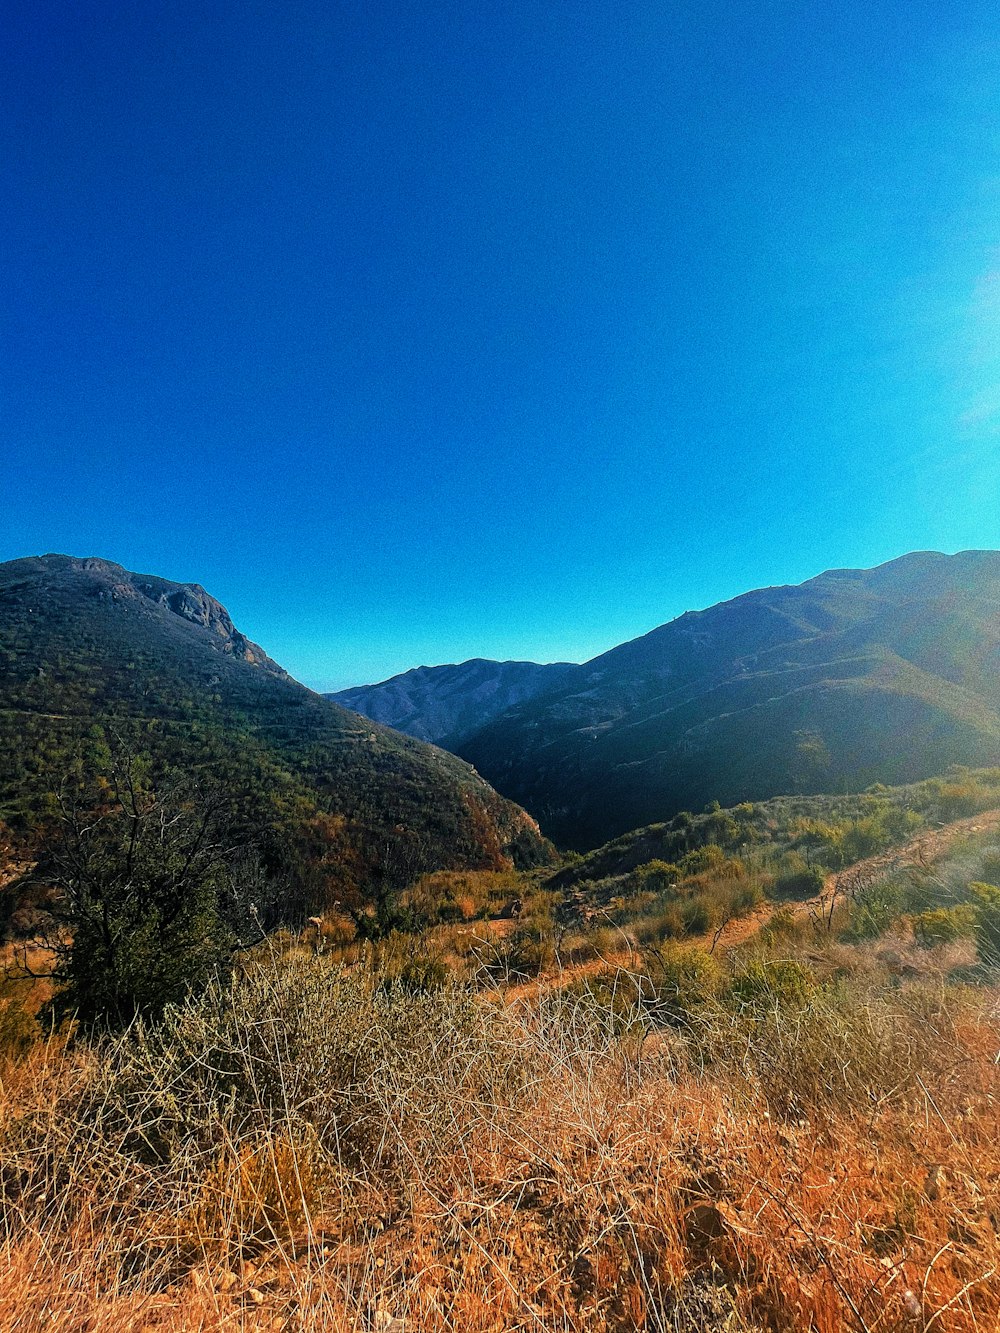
(923,849)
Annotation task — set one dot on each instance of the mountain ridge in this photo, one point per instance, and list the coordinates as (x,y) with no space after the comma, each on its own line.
(85,642)
(189,601)
(443,704)
(853,676)
(887,674)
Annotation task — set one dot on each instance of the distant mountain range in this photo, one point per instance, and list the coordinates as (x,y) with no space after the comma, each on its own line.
(447,704)
(856,676)
(86,648)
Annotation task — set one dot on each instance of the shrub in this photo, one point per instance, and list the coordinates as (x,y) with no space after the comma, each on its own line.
(986,902)
(709,857)
(296,1046)
(699,914)
(656,876)
(254,1195)
(18,1030)
(405,960)
(836,1048)
(524,953)
(943,925)
(875,908)
(806,882)
(150,895)
(957,800)
(619,1000)
(744,897)
(772,983)
(781,926)
(667,924)
(683,978)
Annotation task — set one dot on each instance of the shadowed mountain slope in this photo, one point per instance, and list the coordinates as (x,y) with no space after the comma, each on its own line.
(445,704)
(86,646)
(856,676)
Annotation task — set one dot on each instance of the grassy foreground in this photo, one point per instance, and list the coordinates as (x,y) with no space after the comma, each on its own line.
(775,1147)
(593,1115)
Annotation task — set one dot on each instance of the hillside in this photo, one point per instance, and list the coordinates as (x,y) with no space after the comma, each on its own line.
(88,648)
(787,833)
(446,704)
(646,1135)
(854,677)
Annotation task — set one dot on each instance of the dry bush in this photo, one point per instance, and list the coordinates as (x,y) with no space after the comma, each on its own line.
(320,1149)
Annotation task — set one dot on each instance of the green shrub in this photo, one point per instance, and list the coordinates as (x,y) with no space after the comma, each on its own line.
(152,894)
(777,982)
(405,960)
(683,978)
(744,897)
(619,999)
(957,800)
(524,953)
(806,882)
(424,974)
(781,926)
(875,909)
(843,1048)
(667,924)
(943,925)
(656,876)
(699,914)
(986,904)
(709,857)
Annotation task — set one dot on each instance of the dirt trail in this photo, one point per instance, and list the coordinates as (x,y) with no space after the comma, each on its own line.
(923,849)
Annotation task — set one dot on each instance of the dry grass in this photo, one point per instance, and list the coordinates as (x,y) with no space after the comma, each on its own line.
(319,1149)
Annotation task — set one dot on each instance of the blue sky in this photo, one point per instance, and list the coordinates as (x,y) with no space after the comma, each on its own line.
(422,331)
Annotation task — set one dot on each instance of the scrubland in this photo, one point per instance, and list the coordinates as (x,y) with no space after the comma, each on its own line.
(801,1134)
(725,1093)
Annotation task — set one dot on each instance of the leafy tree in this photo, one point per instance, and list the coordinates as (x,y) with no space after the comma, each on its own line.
(149,894)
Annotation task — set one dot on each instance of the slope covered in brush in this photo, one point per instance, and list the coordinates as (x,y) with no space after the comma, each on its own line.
(88,648)
(857,676)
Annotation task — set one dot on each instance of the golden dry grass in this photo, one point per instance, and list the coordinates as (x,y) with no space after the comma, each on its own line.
(320,1150)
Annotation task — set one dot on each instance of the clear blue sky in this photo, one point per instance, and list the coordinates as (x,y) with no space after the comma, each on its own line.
(421,331)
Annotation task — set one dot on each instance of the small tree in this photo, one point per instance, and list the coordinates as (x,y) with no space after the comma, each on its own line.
(149,896)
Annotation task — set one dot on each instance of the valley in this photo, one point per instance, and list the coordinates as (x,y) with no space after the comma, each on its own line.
(304,1026)
(854,677)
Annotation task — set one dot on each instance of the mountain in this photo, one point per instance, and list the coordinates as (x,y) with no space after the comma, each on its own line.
(445,704)
(856,676)
(89,649)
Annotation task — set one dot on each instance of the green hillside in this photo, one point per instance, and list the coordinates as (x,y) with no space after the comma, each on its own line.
(89,650)
(857,676)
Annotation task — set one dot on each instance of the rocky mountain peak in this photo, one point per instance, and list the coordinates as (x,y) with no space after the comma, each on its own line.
(111,582)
